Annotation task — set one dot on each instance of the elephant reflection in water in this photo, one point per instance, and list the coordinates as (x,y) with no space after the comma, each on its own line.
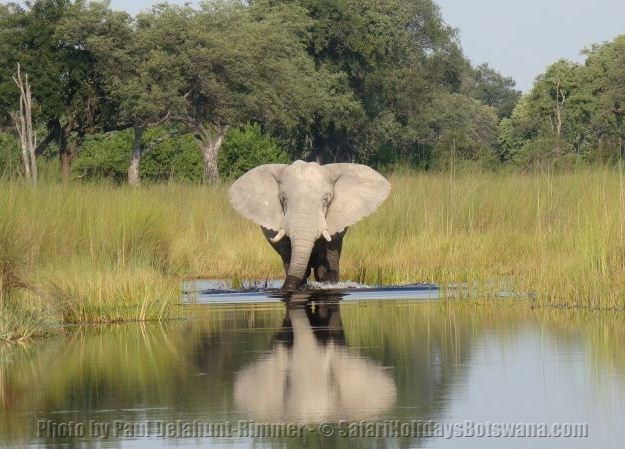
(311,376)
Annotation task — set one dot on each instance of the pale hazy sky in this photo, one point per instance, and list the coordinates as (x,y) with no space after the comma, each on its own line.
(517,37)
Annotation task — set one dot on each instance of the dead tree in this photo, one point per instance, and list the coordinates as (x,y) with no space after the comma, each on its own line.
(559,106)
(24,124)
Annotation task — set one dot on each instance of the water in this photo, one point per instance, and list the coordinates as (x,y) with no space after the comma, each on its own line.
(394,365)
(222,292)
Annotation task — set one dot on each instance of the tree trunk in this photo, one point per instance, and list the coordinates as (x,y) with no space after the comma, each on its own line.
(19,124)
(66,167)
(319,144)
(210,143)
(134,178)
(560,99)
(24,125)
(65,156)
(67,149)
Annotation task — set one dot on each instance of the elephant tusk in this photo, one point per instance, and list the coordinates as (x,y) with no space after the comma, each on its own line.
(278,236)
(326,235)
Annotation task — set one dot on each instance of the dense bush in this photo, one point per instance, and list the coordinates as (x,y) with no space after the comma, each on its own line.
(245,148)
(10,156)
(108,155)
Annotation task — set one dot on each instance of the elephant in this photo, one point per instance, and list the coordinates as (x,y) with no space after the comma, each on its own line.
(304,210)
(312,376)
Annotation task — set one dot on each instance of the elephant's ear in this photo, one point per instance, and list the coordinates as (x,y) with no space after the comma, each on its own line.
(255,195)
(358,192)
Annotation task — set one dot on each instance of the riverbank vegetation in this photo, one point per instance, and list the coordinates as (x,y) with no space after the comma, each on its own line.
(161,95)
(517,193)
(195,94)
(99,252)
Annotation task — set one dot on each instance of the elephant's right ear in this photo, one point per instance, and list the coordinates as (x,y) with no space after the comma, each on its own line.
(256,195)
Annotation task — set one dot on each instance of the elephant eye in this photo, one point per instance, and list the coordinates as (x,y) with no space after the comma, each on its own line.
(283,201)
(325,201)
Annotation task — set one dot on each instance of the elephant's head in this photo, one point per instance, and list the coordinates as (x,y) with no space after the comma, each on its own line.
(306,201)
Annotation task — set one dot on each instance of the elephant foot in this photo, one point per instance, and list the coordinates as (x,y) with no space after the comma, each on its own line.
(292,284)
(324,274)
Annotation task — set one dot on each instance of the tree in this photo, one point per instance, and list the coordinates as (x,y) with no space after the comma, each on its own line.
(355,80)
(139,68)
(464,129)
(605,78)
(64,83)
(551,93)
(493,89)
(149,93)
(24,125)
(550,121)
(393,56)
(257,71)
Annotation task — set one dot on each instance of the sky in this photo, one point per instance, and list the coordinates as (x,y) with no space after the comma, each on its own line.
(519,38)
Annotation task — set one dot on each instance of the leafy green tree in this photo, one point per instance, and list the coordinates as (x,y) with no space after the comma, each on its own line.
(605,78)
(65,85)
(493,89)
(247,147)
(140,67)
(394,55)
(549,122)
(464,128)
(258,71)
(349,80)
(573,111)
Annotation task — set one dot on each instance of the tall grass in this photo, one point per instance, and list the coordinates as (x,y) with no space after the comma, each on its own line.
(93,253)
(558,236)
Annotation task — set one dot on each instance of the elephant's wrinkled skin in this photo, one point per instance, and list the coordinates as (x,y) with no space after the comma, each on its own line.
(304,210)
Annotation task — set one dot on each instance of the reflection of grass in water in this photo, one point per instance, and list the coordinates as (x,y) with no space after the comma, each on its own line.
(150,364)
(455,325)
(128,365)
(141,354)
(92,253)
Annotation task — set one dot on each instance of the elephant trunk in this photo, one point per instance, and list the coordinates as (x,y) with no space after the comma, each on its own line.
(303,226)
(301,248)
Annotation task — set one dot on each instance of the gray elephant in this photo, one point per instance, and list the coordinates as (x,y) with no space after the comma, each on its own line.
(304,210)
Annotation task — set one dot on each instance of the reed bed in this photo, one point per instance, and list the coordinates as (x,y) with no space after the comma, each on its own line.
(101,253)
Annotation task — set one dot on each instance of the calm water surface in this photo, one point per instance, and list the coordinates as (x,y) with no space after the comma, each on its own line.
(390,364)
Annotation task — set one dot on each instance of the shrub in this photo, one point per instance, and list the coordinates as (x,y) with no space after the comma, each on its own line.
(247,147)
(10,156)
(108,156)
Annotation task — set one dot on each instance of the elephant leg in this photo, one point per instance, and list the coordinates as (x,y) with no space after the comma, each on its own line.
(327,268)
(283,247)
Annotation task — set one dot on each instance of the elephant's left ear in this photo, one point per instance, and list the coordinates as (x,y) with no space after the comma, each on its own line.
(358,192)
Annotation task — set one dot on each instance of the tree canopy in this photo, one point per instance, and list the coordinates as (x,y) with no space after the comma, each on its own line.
(574,112)
(383,83)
